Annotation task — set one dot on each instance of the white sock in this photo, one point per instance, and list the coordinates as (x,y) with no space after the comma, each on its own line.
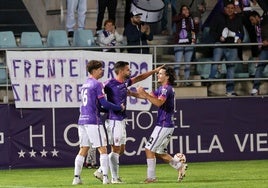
(104,164)
(114,164)
(78,164)
(151,163)
(175,164)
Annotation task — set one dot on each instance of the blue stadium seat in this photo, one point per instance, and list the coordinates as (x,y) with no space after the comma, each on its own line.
(7,39)
(57,38)
(31,40)
(83,38)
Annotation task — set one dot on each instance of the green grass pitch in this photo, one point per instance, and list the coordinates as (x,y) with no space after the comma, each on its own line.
(233,174)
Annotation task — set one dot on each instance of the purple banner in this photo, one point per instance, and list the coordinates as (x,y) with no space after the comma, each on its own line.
(206,130)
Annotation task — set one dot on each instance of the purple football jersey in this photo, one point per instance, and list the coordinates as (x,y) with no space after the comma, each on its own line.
(117,93)
(90,106)
(166,111)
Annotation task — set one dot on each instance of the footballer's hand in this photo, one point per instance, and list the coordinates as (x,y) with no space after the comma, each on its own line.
(123,107)
(141,92)
(129,92)
(158,68)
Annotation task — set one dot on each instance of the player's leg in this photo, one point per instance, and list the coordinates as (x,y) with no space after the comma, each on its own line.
(99,141)
(150,155)
(117,140)
(151,165)
(80,158)
(78,164)
(161,152)
(98,173)
(114,162)
(104,163)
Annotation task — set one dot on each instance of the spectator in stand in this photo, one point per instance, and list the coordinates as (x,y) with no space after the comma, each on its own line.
(197,8)
(137,33)
(261,26)
(185,34)
(164,20)
(243,8)
(109,36)
(111,6)
(226,28)
(72,6)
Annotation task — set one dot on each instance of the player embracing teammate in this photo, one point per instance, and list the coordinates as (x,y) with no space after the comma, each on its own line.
(116,91)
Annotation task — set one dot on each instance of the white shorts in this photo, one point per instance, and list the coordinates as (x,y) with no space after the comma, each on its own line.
(92,135)
(159,139)
(116,131)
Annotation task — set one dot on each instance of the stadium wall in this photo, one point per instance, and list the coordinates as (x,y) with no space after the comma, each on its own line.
(210,129)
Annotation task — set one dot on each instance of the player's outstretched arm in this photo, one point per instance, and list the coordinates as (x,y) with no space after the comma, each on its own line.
(146,75)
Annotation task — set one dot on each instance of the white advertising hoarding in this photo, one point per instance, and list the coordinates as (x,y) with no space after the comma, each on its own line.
(52,79)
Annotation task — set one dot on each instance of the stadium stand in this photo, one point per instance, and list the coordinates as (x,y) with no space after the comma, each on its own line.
(3,74)
(7,39)
(54,35)
(57,38)
(31,40)
(83,38)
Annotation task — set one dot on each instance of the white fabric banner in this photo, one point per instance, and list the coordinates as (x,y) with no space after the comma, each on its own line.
(52,79)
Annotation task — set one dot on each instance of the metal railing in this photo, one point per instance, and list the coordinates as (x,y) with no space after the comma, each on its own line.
(154,49)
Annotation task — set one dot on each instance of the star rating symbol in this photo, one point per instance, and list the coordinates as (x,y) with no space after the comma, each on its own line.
(54,153)
(32,153)
(43,153)
(21,153)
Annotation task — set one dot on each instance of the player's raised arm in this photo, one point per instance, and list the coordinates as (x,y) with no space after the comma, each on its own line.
(146,75)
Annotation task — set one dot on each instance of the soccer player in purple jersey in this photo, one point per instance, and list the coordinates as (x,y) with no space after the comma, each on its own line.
(156,146)
(90,128)
(116,91)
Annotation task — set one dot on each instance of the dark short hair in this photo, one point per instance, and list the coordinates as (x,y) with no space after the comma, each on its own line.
(170,72)
(254,13)
(94,64)
(120,65)
(228,2)
(182,6)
